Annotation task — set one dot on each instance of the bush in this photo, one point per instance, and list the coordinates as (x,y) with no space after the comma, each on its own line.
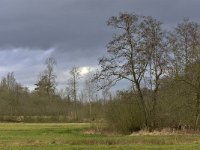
(123,115)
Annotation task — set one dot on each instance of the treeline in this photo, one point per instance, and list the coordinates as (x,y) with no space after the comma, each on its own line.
(162,66)
(45,103)
(18,104)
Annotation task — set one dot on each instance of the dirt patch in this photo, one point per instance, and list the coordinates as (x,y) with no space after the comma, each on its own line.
(89,132)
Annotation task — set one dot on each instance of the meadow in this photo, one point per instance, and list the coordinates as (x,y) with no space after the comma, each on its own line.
(76,136)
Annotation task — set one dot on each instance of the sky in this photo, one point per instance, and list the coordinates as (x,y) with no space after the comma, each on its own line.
(74,32)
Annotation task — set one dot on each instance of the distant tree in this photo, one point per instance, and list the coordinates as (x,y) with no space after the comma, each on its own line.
(42,85)
(12,91)
(185,43)
(46,84)
(72,87)
(90,91)
(192,78)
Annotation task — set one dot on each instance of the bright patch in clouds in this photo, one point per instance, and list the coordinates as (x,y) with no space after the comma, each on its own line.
(85,70)
(28,63)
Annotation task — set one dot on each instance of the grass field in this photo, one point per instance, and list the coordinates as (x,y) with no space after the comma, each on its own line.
(73,136)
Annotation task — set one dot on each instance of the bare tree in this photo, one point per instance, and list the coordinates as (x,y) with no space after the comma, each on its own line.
(158,59)
(10,86)
(90,91)
(125,58)
(185,43)
(73,87)
(136,54)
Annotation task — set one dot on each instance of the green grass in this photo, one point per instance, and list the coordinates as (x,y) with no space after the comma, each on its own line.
(72,136)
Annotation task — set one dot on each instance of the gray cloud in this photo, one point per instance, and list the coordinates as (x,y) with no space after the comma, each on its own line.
(75,29)
(78,24)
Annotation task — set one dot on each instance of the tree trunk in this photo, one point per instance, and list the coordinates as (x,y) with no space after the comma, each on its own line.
(144,109)
(90,111)
(154,111)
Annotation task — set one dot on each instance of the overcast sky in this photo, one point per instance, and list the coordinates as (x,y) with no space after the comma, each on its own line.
(72,31)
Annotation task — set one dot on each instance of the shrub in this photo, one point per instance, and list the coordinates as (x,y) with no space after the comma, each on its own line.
(123,115)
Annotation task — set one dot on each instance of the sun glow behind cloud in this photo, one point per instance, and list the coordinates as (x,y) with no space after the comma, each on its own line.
(85,70)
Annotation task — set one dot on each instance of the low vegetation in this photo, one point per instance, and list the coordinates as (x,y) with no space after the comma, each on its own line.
(77,136)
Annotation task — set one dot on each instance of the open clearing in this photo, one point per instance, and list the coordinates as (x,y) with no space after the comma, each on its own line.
(73,136)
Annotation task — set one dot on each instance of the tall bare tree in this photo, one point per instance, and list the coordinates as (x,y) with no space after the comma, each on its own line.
(90,90)
(125,59)
(154,42)
(137,54)
(73,87)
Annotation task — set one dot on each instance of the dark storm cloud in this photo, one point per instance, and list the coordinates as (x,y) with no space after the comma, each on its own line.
(77,24)
(73,31)
(46,23)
